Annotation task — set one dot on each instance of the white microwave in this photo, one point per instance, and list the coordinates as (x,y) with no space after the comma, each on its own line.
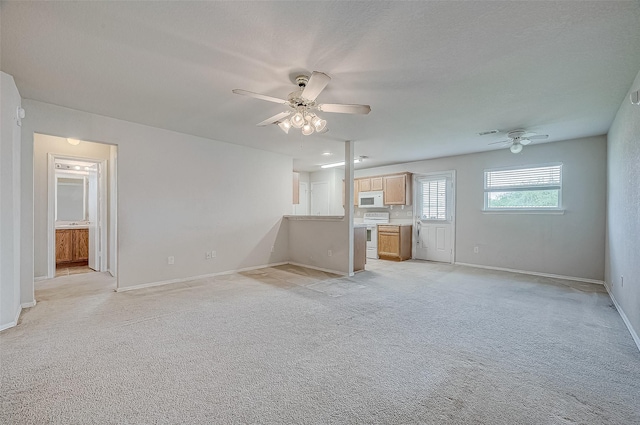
(371,199)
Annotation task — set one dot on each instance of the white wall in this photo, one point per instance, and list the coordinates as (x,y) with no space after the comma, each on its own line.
(10,219)
(311,239)
(623,210)
(334,177)
(42,146)
(178,195)
(571,244)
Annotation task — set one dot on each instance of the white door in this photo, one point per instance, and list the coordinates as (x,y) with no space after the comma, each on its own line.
(303,207)
(434,217)
(320,198)
(93,202)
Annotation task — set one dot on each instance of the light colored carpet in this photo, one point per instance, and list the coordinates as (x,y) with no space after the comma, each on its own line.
(402,343)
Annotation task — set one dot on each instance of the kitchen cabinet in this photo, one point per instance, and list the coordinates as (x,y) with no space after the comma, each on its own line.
(397,189)
(355,193)
(394,242)
(359,248)
(296,188)
(369,184)
(72,246)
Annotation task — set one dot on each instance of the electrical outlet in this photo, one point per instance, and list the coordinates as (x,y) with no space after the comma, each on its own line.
(208,255)
(213,254)
(171,260)
(329,253)
(409,214)
(273,248)
(475,249)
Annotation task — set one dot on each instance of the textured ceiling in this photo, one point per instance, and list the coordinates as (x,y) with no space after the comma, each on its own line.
(434,73)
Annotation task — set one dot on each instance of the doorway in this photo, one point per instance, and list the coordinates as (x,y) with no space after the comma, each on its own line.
(320,198)
(434,217)
(303,207)
(77,215)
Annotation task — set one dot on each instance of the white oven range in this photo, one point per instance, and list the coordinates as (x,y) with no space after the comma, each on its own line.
(372,219)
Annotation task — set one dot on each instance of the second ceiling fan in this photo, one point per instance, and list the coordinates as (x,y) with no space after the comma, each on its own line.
(519,138)
(302,105)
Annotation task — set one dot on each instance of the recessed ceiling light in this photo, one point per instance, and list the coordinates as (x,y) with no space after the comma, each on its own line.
(74,142)
(327,153)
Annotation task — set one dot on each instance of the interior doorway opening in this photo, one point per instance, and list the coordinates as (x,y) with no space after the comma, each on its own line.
(79,207)
(81,210)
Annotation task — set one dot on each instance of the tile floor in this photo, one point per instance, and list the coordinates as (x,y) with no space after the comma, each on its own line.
(66,271)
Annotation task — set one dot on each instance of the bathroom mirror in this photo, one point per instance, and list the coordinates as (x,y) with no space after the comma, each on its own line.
(71,198)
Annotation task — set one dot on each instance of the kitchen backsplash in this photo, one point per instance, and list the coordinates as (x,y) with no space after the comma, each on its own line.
(397,215)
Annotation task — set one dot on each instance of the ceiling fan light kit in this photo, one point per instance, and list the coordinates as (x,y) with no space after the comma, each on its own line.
(302,104)
(517,139)
(516,147)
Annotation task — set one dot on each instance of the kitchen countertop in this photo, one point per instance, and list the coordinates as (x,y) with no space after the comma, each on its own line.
(315,217)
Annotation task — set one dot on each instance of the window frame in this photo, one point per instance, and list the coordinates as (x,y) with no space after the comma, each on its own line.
(530,210)
(447,201)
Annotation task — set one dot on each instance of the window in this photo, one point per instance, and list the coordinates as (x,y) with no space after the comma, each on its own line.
(533,188)
(434,199)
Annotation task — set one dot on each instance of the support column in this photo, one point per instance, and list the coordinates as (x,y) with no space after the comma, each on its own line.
(349,152)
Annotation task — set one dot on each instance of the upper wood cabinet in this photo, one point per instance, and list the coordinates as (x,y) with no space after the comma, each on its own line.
(364,185)
(397,189)
(369,184)
(296,188)
(376,183)
(355,193)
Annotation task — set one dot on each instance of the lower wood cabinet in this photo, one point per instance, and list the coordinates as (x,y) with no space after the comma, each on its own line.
(72,246)
(394,242)
(359,248)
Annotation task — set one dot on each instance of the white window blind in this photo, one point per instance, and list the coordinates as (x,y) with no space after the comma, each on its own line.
(434,199)
(523,188)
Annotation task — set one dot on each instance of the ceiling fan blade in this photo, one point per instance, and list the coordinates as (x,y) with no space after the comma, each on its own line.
(538,137)
(259,96)
(317,82)
(274,119)
(344,109)
(501,141)
(525,141)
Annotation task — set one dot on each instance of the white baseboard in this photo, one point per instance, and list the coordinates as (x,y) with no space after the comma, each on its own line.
(553,276)
(39,278)
(625,319)
(29,304)
(203,276)
(11,324)
(317,268)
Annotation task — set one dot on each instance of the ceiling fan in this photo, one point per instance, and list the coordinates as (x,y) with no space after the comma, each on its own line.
(519,138)
(302,105)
